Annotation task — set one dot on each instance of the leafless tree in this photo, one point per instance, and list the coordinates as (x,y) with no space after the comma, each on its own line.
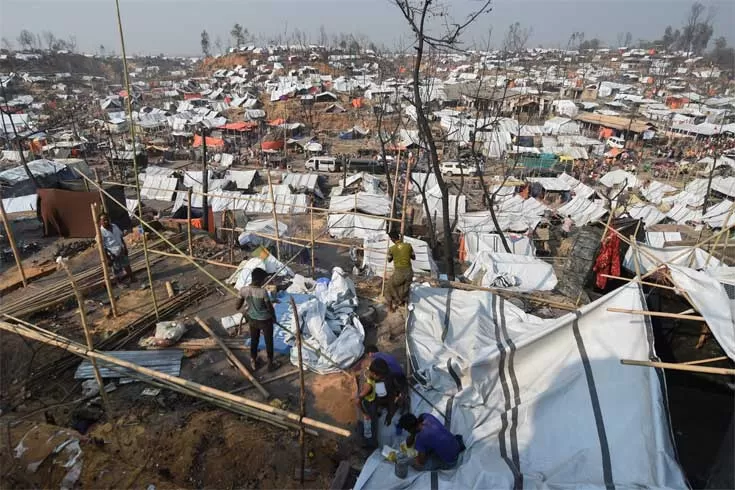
(323,37)
(432,26)
(516,38)
(50,40)
(6,44)
(26,39)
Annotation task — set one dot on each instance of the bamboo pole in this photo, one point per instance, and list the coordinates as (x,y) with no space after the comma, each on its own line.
(504,293)
(188,222)
(302,390)
(232,358)
(103,261)
(87,335)
(206,261)
(191,386)
(705,361)
(275,214)
(99,185)
(13,246)
(131,122)
(645,283)
(311,236)
(679,367)
(657,313)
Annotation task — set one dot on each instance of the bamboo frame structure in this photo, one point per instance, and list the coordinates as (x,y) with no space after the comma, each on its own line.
(13,246)
(103,261)
(274,213)
(234,402)
(302,391)
(717,241)
(657,313)
(129,106)
(188,222)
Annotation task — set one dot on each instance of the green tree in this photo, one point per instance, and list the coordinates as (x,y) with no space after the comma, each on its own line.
(205,43)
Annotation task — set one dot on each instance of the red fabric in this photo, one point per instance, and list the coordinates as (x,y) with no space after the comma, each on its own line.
(608,261)
(211,142)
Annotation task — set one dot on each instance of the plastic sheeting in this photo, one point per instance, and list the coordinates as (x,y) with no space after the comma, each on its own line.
(354,226)
(243,275)
(20,204)
(528,273)
(650,258)
(158,188)
(646,212)
(582,210)
(618,177)
(475,242)
(376,248)
(713,299)
(376,204)
(540,404)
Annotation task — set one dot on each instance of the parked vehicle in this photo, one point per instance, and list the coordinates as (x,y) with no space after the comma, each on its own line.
(537,160)
(370,166)
(615,142)
(450,169)
(323,163)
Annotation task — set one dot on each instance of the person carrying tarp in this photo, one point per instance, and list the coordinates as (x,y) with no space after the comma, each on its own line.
(260,315)
(401,254)
(115,248)
(436,447)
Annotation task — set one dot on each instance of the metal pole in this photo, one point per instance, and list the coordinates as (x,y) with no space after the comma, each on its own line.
(13,246)
(135,159)
(103,261)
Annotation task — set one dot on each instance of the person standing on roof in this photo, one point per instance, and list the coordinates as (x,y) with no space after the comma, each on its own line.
(260,315)
(437,448)
(401,254)
(115,248)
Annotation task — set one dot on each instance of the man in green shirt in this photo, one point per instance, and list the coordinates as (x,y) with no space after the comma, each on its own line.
(401,254)
(260,315)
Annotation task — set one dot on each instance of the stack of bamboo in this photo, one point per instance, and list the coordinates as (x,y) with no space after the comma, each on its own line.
(130,333)
(60,292)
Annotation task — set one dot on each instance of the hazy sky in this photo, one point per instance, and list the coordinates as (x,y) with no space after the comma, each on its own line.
(173,26)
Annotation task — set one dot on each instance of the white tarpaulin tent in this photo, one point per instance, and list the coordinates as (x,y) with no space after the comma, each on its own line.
(651,257)
(474,242)
(582,210)
(619,177)
(513,272)
(541,404)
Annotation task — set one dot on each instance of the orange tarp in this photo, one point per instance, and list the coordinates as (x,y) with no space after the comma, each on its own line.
(211,142)
(276,122)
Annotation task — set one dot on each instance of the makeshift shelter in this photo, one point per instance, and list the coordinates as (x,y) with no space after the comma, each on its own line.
(582,210)
(344,225)
(539,403)
(511,271)
(68,213)
(376,248)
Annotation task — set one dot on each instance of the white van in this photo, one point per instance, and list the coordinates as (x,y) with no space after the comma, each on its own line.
(325,164)
(450,169)
(615,142)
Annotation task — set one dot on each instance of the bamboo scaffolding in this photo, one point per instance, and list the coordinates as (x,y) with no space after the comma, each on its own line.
(717,241)
(645,283)
(206,261)
(657,313)
(232,358)
(679,367)
(129,106)
(103,261)
(13,246)
(505,293)
(188,222)
(311,236)
(172,381)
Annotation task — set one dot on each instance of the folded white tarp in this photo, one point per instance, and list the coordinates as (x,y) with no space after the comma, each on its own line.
(650,258)
(158,188)
(20,204)
(475,242)
(541,404)
(512,272)
(376,248)
(243,275)
(582,210)
(713,299)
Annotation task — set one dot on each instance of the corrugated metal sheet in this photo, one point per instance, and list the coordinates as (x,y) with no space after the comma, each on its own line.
(166,361)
